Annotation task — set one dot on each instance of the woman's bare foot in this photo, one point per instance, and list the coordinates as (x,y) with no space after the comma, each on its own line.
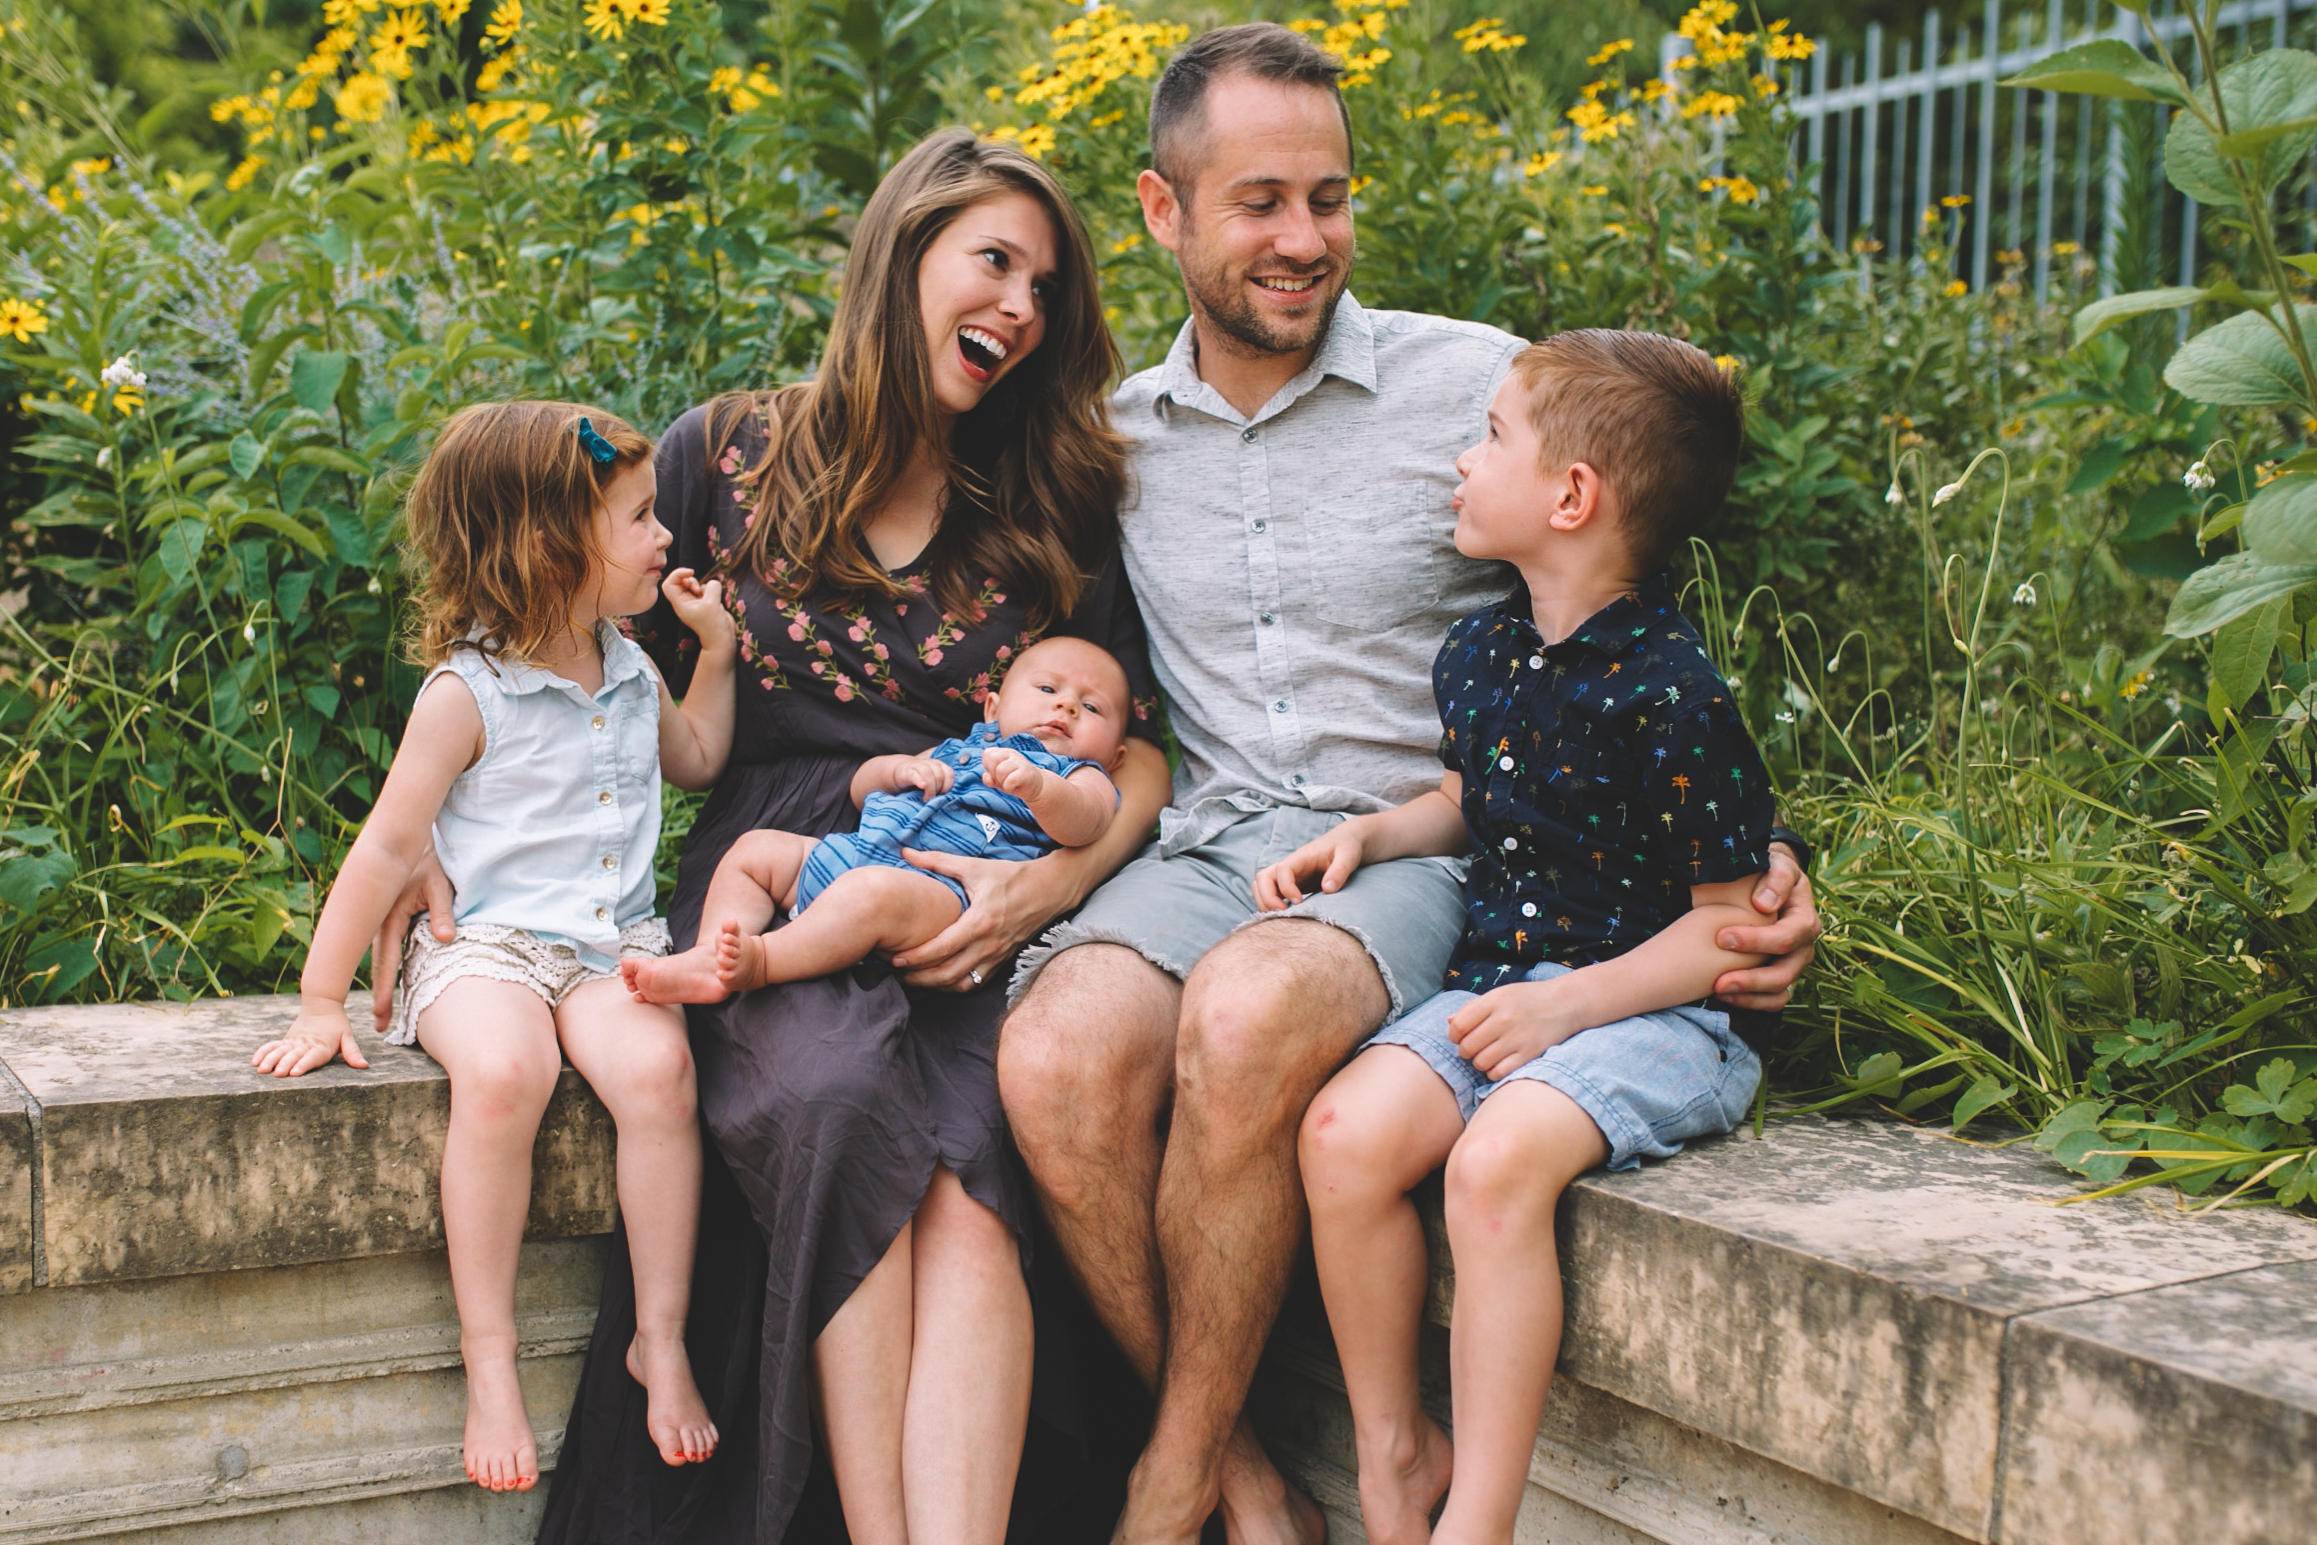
(1397,1496)
(501,1452)
(742,961)
(686,978)
(675,1416)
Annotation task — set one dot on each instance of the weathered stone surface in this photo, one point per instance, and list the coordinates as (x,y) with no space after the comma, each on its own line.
(162,1151)
(2188,1413)
(1835,1296)
(17,1156)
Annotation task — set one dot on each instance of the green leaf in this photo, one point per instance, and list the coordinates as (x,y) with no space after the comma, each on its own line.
(1879,1074)
(2155,511)
(2101,315)
(2241,651)
(1982,1095)
(350,534)
(2240,362)
(181,545)
(323,700)
(2274,1093)
(326,456)
(66,963)
(314,377)
(275,520)
(2106,67)
(2306,262)
(2273,89)
(2230,588)
(2246,143)
(246,454)
(25,878)
(2101,462)
(2281,520)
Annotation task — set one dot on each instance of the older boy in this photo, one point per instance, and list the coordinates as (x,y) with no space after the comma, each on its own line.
(1619,819)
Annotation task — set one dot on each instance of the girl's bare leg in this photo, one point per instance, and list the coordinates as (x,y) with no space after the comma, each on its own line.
(861,1373)
(861,911)
(969,1375)
(1505,1178)
(497,1042)
(637,1059)
(1377,1129)
(756,877)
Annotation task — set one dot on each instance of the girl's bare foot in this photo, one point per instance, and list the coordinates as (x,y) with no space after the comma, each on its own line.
(742,962)
(686,978)
(501,1452)
(675,1416)
(1397,1495)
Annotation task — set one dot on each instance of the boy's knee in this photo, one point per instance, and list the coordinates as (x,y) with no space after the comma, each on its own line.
(1336,1146)
(1502,1175)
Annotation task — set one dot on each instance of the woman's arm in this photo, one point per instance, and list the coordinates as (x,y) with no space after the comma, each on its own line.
(444,738)
(1012,902)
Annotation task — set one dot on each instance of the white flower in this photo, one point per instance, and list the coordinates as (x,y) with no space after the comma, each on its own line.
(1786,716)
(1834,665)
(374,587)
(1894,496)
(104,458)
(249,632)
(2196,480)
(123,374)
(2024,595)
(1946,493)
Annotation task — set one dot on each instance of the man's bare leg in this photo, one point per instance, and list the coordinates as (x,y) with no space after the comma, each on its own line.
(1086,1066)
(1268,1016)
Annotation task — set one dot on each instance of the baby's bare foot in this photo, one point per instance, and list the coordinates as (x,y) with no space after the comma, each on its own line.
(675,1415)
(742,962)
(686,978)
(1397,1495)
(501,1452)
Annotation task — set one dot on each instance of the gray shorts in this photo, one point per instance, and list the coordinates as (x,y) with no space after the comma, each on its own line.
(1407,913)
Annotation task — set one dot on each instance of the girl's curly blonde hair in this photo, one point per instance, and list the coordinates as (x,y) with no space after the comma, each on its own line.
(501,524)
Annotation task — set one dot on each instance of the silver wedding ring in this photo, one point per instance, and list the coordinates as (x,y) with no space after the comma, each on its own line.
(974,977)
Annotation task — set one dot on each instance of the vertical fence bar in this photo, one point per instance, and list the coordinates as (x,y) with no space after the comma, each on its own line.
(2083,181)
(1902,218)
(1842,163)
(1959,97)
(2047,158)
(1817,141)
(2013,235)
(1983,194)
(1929,118)
(1870,132)
(2112,176)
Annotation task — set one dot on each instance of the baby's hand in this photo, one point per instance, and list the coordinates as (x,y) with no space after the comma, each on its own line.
(700,608)
(1499,1031)
(321,1033)
(1010,772)
(922,773)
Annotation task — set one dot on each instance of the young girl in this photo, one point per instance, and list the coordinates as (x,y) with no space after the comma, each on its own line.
(533,762)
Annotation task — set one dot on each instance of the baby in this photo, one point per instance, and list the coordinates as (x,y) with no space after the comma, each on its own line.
(1035,778)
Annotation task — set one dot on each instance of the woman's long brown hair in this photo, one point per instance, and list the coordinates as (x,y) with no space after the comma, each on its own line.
(1035,471)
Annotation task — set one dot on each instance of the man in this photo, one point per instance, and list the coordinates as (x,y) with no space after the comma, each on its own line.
(1290,542)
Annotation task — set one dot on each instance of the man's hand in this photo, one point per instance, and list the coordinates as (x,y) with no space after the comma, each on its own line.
(1010,772)
(925,774)
(1498,1031)
(428,890)
(1792,938)
(1330,859)
(320,1033)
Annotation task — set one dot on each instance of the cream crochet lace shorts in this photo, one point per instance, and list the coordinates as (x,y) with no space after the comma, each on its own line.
(551,969)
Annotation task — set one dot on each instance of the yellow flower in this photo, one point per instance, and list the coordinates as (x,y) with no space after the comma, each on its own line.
(94,168)
(1596,123)
(1608,52)
(1784,45)
(608,19)
(1486,34)
(392,42)
(2065,249)
(20,319)
(1727,363)
(1742,190)
(1360,185)
(496,69)
(1126,243)
(1956,287)
(1541,163)
(1595,190)
(1719,104)
(1764,86)
(652,13)
(241,176)
(451,10)
(1955,201)
(347,13)
(506,21)
(363,99)
(1653,88)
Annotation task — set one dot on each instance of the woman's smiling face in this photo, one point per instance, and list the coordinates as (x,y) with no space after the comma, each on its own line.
(983,288)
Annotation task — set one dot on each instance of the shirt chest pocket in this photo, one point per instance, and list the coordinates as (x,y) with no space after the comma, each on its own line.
(1372,564)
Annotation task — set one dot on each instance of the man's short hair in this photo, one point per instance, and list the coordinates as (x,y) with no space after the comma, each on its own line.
(1656,417)
(1262,49)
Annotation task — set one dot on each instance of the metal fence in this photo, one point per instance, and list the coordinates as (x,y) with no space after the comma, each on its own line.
(1903,125)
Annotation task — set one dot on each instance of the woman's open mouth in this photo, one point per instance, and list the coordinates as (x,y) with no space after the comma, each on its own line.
(980,352)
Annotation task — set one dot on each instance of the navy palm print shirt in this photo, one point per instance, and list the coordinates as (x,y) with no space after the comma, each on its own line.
(1604,776)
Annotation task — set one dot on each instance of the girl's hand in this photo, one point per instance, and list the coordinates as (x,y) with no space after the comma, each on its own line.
(700,608)
(320,1034)
(1332,858)
(1008,902)
(924,774)
(1498,1031)
(1010,772)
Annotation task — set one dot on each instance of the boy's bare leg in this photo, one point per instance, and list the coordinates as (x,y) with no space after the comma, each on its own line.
(1505,1177)
(1268,1015)
(1376,1130)
(756,877)
(496,1040)
(637,1059)
(859,912)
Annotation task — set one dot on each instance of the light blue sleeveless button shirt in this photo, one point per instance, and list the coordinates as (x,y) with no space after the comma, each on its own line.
(554,828)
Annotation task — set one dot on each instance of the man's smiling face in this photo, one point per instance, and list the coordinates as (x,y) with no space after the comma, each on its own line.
(1263,231)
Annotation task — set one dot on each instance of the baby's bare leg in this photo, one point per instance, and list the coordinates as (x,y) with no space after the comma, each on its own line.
(756,877)
(862,911)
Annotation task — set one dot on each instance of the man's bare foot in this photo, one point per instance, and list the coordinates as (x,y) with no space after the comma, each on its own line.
(742,962)
(501,1452)
(1397,1499)
(1261,1506)
(686,978)
(1152,1518)
(675,1415)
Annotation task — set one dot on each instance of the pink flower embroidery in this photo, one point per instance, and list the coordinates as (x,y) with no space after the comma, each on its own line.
(796,631)
(933,657)
(882,652)
(854,632)
(844,690)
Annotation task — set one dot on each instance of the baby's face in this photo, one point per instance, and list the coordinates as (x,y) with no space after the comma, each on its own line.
(1071,696)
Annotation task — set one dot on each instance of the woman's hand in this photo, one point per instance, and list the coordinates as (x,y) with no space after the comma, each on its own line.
(1792,937)
(1007,902)
(428,890)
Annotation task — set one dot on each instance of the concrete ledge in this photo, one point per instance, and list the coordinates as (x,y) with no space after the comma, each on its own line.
(1892,1318)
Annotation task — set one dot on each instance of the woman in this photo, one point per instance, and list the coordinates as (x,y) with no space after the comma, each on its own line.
(894,532)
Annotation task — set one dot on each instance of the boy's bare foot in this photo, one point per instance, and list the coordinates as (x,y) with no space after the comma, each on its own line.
(686,978)
(742,962)
(675,1416)
(501,1452)
(1397,1499)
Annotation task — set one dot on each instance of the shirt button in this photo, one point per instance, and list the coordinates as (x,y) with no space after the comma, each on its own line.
(603,912)
(1248,434)
(595,723)
(1280,706)
(603,797)
(1536,662)
(1266,618)
(1510,844)
(1528,909)
(1503,764)
(1260,527)
(1297,780)
(609,862)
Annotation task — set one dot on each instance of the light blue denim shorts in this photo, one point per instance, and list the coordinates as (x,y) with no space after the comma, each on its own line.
(1650,1083)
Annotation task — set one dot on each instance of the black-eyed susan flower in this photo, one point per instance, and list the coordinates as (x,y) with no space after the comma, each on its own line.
(20,319)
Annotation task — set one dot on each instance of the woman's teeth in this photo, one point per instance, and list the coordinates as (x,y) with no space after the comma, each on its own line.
(986,343)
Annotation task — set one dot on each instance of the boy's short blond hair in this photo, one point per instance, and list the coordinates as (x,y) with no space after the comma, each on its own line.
(1656,417)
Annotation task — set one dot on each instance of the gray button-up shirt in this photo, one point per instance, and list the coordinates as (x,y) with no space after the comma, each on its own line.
(1297,570)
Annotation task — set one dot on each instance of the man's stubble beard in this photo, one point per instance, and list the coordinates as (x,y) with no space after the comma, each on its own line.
(1234,316)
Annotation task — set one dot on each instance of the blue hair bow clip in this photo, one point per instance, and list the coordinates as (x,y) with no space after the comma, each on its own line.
(601,451)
